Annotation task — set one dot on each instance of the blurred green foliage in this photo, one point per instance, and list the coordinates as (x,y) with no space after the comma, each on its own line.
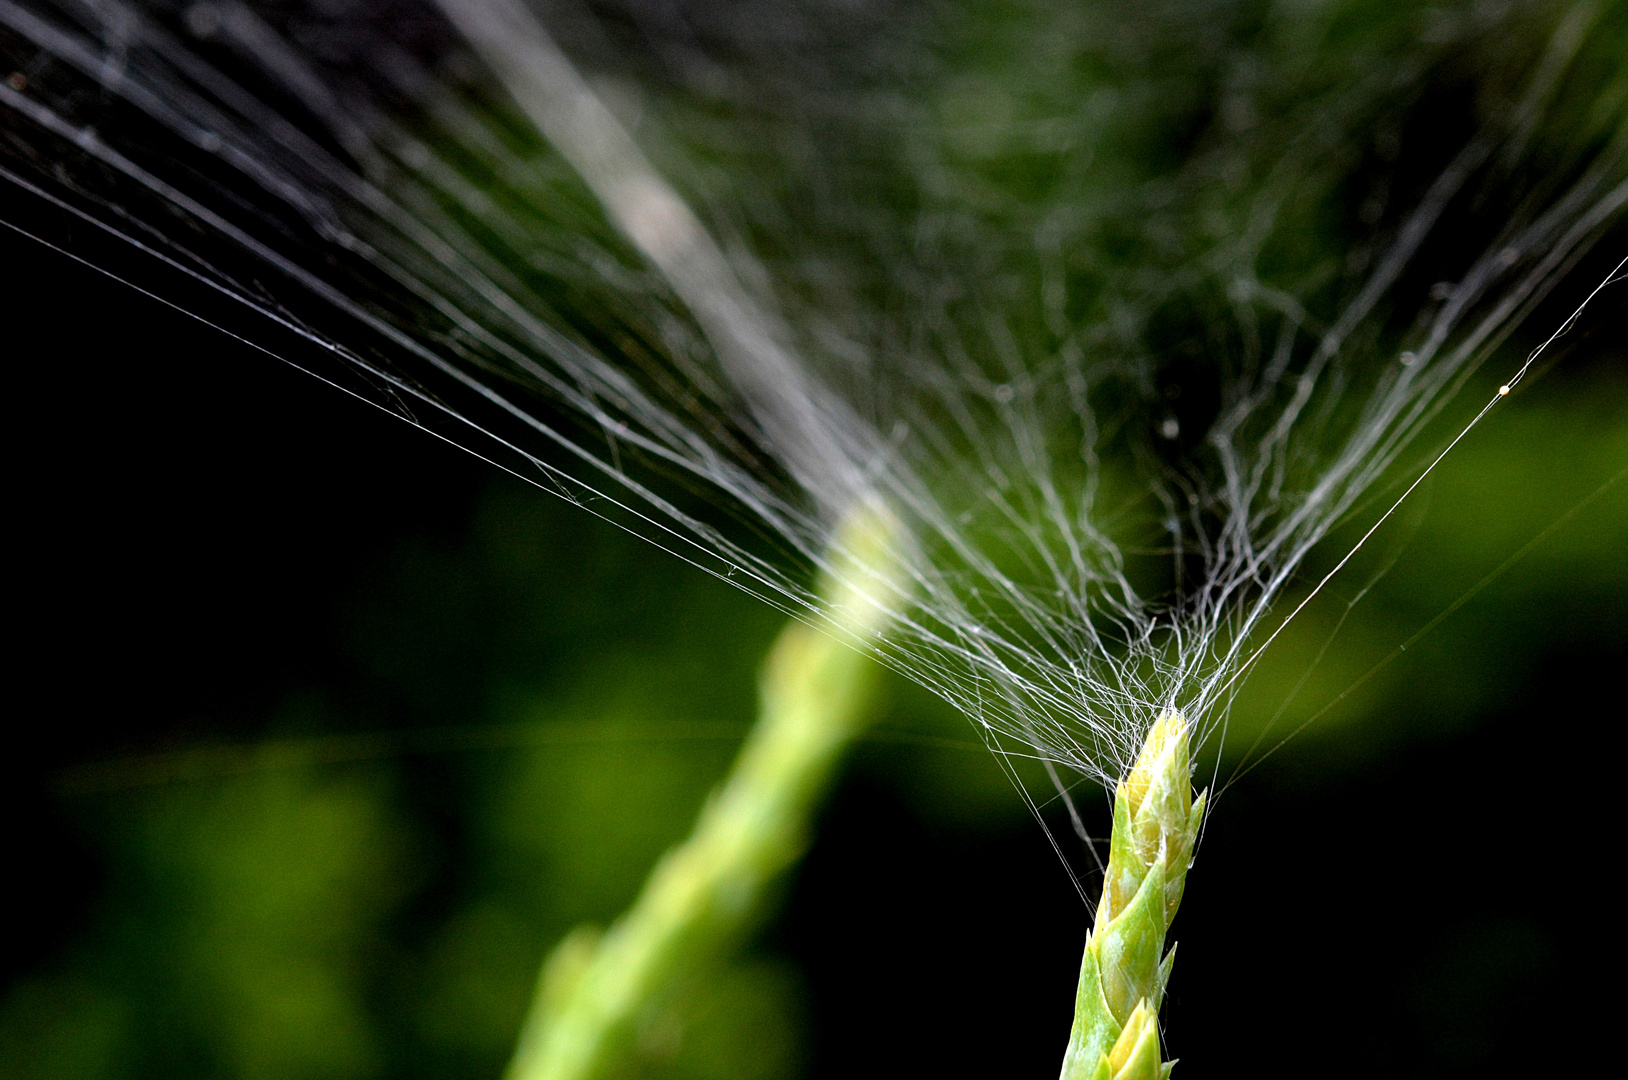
(386,916)
(1531,464)
(379,906)
(239,932)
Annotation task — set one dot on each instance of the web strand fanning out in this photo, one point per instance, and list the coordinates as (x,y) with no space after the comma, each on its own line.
(1114,411)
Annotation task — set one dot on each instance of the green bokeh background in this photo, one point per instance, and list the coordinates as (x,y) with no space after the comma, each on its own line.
(338,733)
(326,734)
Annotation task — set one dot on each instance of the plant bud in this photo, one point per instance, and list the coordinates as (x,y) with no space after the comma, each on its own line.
(1135,1055)
(1125,967)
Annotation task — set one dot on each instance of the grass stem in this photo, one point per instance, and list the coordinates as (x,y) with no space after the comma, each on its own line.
(1125,968)
(815,693)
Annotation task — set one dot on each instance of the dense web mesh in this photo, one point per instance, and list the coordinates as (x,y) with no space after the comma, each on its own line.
(1049,285)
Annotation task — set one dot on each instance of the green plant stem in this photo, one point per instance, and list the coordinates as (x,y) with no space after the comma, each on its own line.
(1125,968)
(814,696)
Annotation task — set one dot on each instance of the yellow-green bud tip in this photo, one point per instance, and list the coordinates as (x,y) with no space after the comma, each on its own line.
(1166,739)
(1161,821)
(1125,967)
(1135,1054)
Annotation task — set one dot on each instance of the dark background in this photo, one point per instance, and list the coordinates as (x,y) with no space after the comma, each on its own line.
(221,565)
